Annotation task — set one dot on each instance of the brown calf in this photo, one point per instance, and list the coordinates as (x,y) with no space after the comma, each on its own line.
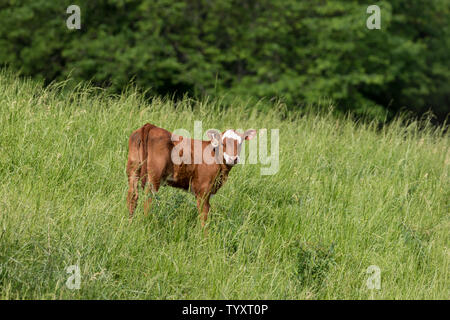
(155,156)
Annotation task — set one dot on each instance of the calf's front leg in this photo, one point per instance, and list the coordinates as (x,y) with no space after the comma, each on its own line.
(203,207)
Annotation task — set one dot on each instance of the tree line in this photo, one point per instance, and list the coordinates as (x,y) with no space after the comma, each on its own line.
(298,51)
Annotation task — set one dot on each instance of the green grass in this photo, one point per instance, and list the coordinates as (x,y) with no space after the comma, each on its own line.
(347,196)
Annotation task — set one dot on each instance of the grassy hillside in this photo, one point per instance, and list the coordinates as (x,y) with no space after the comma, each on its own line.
(346,196)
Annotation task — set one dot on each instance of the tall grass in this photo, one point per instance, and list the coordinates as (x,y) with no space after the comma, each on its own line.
(347,196)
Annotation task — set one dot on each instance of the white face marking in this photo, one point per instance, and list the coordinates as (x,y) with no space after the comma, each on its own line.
(230,159)
(230,134)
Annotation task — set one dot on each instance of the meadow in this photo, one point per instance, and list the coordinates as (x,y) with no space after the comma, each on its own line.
(348,195)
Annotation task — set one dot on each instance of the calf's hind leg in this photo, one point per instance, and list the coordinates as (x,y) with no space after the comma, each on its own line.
(133,170)
(155,173)
(150,190)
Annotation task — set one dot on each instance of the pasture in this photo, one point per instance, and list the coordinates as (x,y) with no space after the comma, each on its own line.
(348,195)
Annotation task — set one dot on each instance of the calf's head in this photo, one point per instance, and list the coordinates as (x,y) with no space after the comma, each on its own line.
(229,143)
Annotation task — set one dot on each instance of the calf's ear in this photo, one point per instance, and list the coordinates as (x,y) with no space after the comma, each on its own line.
(214,135)
(249,134)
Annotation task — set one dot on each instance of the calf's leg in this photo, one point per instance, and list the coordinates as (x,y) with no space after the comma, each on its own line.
(155,173)
(133,171)
(150,191)
(203,207)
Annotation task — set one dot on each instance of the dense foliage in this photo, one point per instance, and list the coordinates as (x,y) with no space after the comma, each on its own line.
(301,51)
